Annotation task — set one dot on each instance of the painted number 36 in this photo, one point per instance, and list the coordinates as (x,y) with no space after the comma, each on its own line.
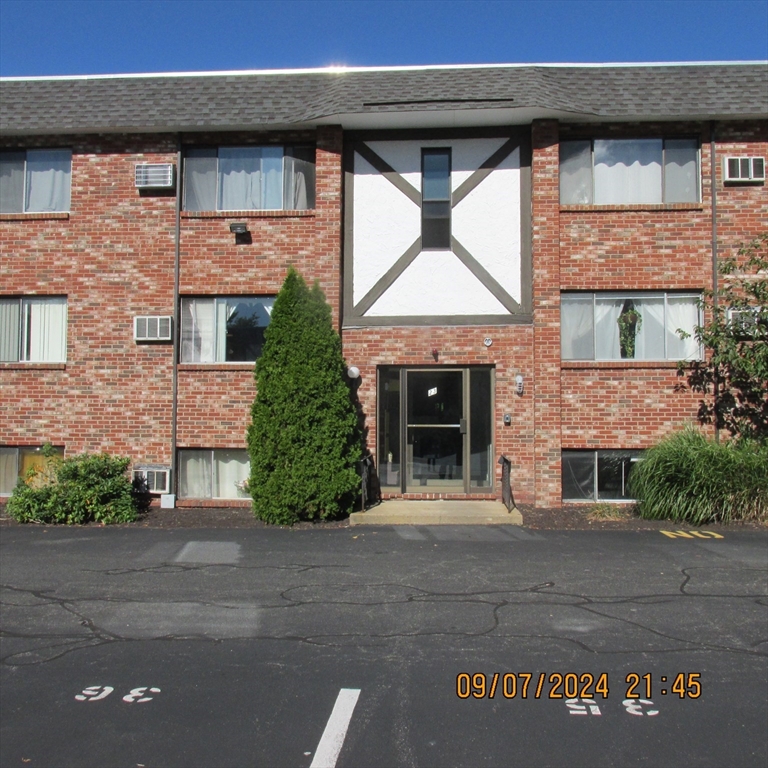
(96,692)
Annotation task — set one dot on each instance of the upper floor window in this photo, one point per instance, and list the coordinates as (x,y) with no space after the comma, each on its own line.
(249,178)
(229,329)
(629,171)
(435,199)
(33,330)
(628,326)
(35,181)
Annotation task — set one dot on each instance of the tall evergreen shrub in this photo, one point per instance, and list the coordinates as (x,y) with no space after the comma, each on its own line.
(303,439)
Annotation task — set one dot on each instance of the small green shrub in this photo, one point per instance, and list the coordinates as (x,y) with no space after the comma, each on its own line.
(689,478)
(78,489)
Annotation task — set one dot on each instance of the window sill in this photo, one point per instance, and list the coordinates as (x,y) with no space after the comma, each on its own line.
(217,366)
(50,215)
(17,366)
(617,364)
(632,207)
(276,214)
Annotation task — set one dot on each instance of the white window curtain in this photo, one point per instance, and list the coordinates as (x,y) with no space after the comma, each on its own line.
(682,312)
(230,468)
(200,179)
(577,328)
(649,341)
(44,329)
(576,172)
(12,182)
(681,171)
(9,329)
(197,331)
(48,180)
(195,474)
(628,171)
(9,469)
(607,313)
(239,178)
(271,178)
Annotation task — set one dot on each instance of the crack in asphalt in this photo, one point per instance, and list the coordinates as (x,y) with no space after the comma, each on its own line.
(411,595)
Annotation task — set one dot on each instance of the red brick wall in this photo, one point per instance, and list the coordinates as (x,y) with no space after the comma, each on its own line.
(546,311)
(511,353)
(113,256)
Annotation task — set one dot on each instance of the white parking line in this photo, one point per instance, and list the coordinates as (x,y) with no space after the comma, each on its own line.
(335,731)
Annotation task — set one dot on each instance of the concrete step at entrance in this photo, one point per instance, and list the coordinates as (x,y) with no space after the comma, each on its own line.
(407,512)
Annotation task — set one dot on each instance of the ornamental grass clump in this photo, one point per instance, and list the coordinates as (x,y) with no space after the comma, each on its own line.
(79,489)
(689,478)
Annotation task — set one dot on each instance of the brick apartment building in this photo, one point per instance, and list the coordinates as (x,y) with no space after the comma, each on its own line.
(508,252)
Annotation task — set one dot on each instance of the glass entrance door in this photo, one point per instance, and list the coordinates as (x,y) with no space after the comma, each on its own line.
(435,430)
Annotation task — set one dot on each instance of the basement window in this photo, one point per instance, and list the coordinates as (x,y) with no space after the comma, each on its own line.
(598,475)
(213,474)
(15,462)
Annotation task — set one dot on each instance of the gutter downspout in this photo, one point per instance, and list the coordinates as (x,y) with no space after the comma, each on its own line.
(176,330)
(713,174)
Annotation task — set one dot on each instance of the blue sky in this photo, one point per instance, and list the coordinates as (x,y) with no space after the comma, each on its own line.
(72,37)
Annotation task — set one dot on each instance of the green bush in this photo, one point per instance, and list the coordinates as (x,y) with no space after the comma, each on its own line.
(303,440)
(691,479)
(78,489)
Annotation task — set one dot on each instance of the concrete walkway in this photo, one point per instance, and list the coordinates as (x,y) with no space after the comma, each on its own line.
(406,512)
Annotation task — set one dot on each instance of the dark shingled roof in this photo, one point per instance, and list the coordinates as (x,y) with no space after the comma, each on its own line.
(358,97)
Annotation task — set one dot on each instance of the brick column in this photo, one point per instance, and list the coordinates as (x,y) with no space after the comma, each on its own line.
(546,312)
(329,216)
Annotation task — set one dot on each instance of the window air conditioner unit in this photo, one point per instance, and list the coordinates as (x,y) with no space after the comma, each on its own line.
(152,328)
(155,176)
(743,169)
(745,321)
(157,478)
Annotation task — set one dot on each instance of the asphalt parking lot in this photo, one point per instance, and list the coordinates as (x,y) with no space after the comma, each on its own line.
(392,646)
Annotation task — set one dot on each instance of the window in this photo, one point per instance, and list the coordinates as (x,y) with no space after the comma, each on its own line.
(629,326)
(33,330)
(249,178)
(35,181)
(16,462)
(228,329)
(598,475)
(435,199)
(626,171)
(213,474)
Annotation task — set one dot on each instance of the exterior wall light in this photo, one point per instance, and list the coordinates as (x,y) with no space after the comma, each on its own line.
(519,385)
(238,228)
(353,372)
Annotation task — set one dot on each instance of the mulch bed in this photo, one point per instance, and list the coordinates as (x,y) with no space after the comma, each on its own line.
(570,518)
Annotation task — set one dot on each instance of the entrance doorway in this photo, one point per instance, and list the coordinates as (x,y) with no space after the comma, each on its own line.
(435,429)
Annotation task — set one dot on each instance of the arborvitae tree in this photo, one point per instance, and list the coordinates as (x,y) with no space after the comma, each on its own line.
(303,438)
